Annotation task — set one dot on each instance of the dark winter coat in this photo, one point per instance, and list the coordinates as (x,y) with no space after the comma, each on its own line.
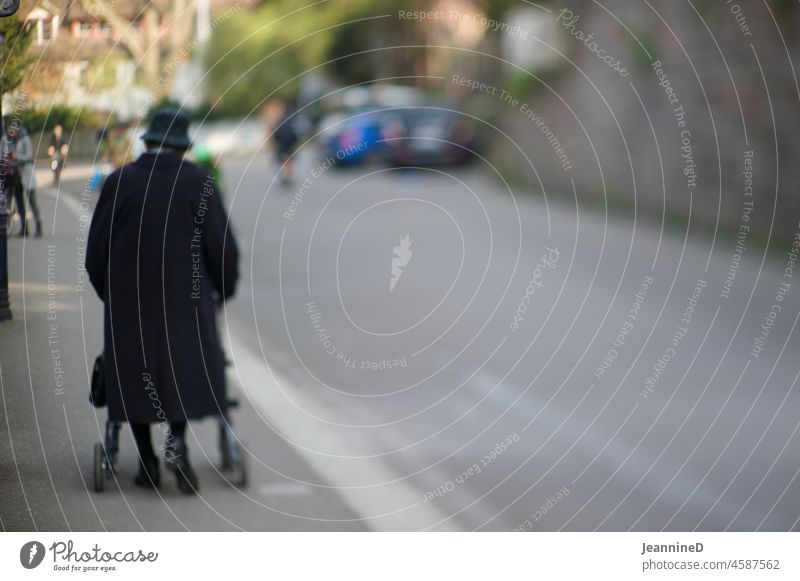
(160,252)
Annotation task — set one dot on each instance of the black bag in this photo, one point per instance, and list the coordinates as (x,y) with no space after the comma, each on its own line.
(97,393)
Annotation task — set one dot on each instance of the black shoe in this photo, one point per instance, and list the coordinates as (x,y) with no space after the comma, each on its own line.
(148,476)
(38,229)
(177,460)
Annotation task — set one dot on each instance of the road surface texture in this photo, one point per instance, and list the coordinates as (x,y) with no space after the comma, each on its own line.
(516,361)
(432,349)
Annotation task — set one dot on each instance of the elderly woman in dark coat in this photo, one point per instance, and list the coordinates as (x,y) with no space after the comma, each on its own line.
(160,254)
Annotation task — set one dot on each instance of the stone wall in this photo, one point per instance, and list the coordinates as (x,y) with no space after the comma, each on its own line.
(726,86)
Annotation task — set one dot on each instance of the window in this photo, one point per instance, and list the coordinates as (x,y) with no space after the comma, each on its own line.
(83,30)
(45,30)
(44,25)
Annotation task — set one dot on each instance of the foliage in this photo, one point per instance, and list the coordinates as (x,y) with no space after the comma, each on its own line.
(13,52)
(203,113)
(257,55)
(497,8)
(67,117)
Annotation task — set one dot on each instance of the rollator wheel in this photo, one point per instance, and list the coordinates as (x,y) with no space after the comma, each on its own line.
(99,477)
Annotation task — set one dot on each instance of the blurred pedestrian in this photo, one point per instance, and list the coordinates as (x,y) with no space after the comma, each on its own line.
(57,151)
(160,253)
(118,145)
(102,166)
(285,139)
(206,160)
(9,174)
(20,177)
(26,158)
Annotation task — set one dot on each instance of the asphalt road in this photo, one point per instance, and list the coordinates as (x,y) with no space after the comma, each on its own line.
(425,349)
(536,365)
(49,428)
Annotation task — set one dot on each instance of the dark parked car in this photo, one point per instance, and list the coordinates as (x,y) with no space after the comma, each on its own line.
(351,137)
(427,135)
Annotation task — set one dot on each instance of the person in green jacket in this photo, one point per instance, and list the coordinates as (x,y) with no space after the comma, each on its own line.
(203,158)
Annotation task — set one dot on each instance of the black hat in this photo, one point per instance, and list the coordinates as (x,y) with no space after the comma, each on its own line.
(169,128)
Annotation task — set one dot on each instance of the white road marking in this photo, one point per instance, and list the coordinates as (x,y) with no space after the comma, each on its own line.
(284,489)
(384,502)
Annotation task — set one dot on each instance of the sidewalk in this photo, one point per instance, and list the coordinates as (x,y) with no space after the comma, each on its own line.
(49,427)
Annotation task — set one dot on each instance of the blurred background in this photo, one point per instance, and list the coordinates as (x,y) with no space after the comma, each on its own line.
(507,265)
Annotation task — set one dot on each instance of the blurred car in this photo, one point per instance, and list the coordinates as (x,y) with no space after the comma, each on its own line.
(351,137)
(427,135)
